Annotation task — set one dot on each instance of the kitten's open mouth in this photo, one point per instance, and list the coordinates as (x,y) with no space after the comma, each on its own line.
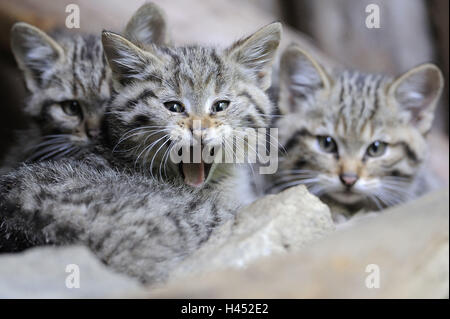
(195,174)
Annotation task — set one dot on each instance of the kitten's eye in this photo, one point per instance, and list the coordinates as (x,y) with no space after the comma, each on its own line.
(376,149)
(174,106)
(71,107)
(327,144)
(219,106)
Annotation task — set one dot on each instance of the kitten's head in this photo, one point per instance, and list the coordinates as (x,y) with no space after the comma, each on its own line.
(350,136)
(164,92)
(69,80)
(69,84)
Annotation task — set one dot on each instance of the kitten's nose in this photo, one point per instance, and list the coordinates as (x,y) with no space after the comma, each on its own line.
(348,179)
(93,133)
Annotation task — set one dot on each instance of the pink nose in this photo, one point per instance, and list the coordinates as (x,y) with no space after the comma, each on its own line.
(348,179)
(93,133)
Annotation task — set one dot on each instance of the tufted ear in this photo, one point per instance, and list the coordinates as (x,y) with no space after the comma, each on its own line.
(148,25)
(417,92)
(256,52)
(35,52)
(301,74)
(127,61)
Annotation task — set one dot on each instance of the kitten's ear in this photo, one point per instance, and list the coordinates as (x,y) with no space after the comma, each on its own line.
(148,25)
(417,92)
(256,52)
(35,52)
(127,61)
(301,73)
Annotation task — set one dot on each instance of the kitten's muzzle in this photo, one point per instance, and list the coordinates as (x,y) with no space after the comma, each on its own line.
(348,179)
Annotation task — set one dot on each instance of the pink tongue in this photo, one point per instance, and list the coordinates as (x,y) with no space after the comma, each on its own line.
(194,173)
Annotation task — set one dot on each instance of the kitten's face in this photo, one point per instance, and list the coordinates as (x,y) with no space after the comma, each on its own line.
(164,93)
(70,81)
(354,137)
(72,97)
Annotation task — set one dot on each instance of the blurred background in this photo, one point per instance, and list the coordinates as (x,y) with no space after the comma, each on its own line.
(411,32)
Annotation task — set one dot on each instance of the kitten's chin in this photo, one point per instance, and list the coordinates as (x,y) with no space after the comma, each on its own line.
(346,197)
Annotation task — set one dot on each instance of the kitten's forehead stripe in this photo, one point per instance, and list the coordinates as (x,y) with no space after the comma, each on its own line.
(74,66)
(358,101)
(194,66)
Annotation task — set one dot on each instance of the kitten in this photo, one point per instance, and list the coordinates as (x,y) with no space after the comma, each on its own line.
(355,140)
(164,91)
(132,221)
(69,82)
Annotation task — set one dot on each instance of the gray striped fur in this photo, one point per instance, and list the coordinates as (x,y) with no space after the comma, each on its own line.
(137,224)
(63,67)
(355,109)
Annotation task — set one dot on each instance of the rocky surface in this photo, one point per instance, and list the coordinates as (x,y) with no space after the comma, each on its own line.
(407,245)
(44,273)
(272,225)
(288,248)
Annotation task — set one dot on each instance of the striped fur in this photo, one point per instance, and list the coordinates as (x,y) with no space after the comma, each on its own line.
(63,68)
(145,131)
(59,70)
(134,223)
(355,110)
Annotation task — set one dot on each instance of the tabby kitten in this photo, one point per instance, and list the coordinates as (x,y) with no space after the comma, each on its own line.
(69,82)
(133,222)
(356,140)
(164,92)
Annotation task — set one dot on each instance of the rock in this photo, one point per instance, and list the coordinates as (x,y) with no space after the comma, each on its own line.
(408,245)
(41,273)
(272,225)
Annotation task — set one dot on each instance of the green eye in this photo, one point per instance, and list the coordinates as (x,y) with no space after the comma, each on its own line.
(219,106)
(376,149)
(174,106)
(327,144)
(71,107)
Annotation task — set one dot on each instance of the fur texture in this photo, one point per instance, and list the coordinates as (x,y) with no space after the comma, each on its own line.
(135,223)
(144,125)
(69,82)
(356,140)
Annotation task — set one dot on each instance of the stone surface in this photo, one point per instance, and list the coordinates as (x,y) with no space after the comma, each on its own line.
(41,273)
(409,244)
(274,224)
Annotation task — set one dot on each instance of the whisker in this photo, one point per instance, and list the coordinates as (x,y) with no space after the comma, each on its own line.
(38,154)
(147,149)
(156,153)
(58,150)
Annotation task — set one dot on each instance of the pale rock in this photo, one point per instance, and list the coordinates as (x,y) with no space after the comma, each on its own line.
(41,273)
(272,225)
(409,245)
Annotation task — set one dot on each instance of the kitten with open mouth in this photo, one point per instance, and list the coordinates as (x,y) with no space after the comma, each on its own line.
(171,98)
(137,209)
